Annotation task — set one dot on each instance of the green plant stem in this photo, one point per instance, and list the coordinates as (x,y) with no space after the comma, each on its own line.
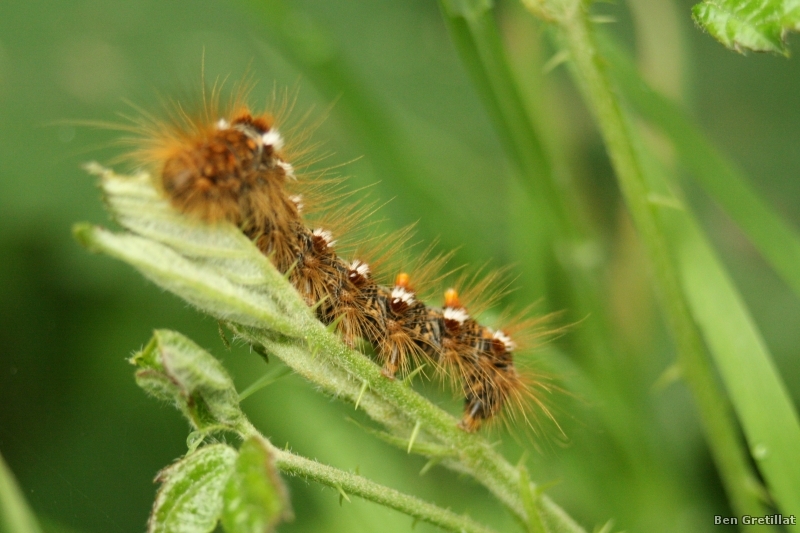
(295,465)
(728,451)
(474,31)
(172,367)
(745,365)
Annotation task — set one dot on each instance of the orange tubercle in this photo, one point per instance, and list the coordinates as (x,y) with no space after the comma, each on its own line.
(402,280)
(451,298)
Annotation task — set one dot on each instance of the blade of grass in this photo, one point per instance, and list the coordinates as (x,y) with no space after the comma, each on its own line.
(264,381)
(15,515)
(475,34)
(750,376)
(744,362)
(771,234)
(473,30)
(588,69)
(739,352)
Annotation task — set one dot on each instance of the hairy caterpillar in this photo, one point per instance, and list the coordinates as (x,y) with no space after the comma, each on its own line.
(227,163)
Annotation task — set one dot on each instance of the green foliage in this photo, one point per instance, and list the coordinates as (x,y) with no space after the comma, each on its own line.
(255,497)
(220,272)
(173,368)
(190,497)
(499,156)
(771,233)
(740,352)
(213,482)
(743,25)
(752,381)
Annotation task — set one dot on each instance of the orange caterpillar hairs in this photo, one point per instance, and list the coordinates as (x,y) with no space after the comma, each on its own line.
(229,163)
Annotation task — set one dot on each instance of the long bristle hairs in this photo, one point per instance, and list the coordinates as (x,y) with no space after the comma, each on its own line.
(223,162)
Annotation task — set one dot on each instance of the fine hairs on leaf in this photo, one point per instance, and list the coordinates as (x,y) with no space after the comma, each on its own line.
(742,25)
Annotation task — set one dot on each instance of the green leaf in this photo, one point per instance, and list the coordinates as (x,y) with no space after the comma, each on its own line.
(255,498)
(190,497)
(198,283)
(174,368)
(15,515)
(759,396)
(213,266)
(758,25)
(138,207)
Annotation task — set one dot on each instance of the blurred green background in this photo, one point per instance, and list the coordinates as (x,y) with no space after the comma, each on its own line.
(85,442)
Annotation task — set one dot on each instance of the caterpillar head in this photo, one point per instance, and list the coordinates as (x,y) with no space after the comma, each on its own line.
(215,175)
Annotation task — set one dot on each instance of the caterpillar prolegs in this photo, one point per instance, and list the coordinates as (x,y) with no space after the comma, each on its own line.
(233,166)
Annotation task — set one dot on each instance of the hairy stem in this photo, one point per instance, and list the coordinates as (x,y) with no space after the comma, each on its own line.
(348,483)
